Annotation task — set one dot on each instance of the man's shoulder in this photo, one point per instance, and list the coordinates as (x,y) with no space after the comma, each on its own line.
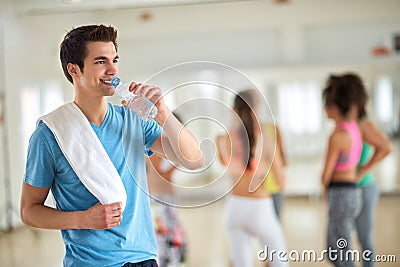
(42,129)
(42,133)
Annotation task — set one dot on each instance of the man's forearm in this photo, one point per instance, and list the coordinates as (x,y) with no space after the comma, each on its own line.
(180,141)
(44,217)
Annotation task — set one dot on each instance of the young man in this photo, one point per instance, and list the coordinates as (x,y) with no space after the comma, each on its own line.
(94,233)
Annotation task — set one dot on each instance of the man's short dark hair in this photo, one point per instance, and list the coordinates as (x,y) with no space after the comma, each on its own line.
(73,48)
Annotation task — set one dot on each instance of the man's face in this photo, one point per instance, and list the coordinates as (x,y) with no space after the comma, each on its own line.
(100,66)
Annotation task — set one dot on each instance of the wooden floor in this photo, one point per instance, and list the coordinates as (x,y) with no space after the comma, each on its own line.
(304,224)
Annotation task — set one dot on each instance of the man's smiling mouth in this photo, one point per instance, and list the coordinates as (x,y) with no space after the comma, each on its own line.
(108,82)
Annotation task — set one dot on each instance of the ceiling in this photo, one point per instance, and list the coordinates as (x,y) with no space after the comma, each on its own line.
(41,7)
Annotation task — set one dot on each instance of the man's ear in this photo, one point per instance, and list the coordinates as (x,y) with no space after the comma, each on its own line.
(72,69)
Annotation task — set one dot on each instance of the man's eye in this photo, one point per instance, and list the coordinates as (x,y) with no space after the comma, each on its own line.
(115,61)
(100,62)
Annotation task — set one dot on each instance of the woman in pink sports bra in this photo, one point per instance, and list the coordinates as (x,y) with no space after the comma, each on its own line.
(348,160)
(339,177)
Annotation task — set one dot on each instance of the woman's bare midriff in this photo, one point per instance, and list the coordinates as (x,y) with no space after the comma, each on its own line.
(242,188)
(344,176)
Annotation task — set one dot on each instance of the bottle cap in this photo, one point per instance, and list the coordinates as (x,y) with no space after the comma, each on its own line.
(115,81)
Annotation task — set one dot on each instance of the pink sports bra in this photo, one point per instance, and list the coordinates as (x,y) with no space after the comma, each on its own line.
(350,159)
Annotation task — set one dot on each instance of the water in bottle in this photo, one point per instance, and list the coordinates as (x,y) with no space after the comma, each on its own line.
(143,107)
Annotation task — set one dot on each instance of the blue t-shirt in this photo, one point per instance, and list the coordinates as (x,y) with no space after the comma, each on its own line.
(131,241)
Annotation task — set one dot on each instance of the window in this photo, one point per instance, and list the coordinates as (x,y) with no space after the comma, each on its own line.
(300,107)
(36,102)
(384,99)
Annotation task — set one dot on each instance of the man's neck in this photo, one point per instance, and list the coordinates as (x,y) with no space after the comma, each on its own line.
(94,110)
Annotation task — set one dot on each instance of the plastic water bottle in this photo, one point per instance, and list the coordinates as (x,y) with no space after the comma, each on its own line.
(142,106)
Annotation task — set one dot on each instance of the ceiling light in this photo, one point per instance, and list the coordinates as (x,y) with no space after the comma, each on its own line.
(71,1)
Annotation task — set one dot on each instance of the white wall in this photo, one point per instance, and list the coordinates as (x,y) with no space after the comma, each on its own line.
(270,43)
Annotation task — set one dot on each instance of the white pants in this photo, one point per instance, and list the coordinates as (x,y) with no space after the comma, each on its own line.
(253,217)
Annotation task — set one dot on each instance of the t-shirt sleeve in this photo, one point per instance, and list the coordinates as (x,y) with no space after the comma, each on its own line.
(152,130)
(40,168)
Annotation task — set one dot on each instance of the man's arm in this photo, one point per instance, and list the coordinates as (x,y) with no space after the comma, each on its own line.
(177,144)
(36,214)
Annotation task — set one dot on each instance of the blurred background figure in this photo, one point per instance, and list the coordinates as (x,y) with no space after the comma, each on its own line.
(339,176)
(170,235)
(376,146)
(247,154)
(276,186)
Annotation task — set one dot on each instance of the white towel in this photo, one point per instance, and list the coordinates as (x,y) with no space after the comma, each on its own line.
(85,153)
